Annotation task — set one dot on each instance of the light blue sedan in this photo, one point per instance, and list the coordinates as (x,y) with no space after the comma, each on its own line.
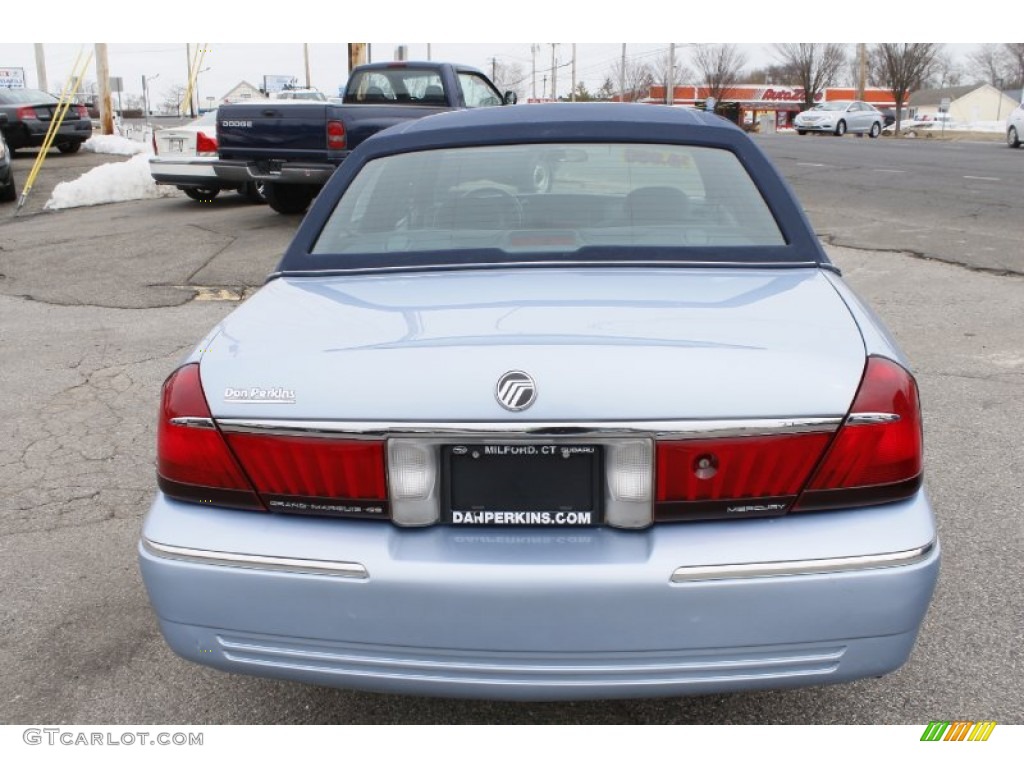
(629,435)
(841,117)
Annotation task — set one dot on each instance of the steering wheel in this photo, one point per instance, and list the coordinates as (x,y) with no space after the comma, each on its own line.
(496,208)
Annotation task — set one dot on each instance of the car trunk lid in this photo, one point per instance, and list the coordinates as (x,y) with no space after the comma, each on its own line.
(600,344)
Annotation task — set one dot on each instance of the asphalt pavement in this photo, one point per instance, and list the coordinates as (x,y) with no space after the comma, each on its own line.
(97,305)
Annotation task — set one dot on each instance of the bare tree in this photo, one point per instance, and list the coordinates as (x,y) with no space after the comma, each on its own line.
(772,74)
(988,62)
(815,65)
(719,66)
(1015,55)
(172,99)
(637,79)
(508,77)
(946,72)
(903,67)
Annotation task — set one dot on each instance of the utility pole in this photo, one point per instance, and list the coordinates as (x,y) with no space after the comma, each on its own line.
(494,68)
(862,70)
(41,68)
(670,76)
(305,55)
(103,75)
(188,80)
(554,73)
(533,71)
(572,91)
(622,76)
(356,55)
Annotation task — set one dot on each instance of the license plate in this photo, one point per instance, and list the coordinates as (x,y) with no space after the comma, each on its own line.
(540,484)
(176,145)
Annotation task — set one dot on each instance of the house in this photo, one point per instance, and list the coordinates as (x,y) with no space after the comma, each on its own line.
(244,91)
(967,103)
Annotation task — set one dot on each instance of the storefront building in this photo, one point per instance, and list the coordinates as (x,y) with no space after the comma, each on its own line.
(747,103)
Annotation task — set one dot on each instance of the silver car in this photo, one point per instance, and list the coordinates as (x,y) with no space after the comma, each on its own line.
(839,118)
(1015,127)
(628,435)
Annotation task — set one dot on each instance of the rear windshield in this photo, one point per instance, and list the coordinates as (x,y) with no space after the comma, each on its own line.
(25,96)
(548,197)
(393,86)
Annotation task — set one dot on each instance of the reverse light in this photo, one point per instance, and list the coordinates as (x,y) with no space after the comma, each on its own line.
(877,455)
(412,481)
(205,145)
(629,480)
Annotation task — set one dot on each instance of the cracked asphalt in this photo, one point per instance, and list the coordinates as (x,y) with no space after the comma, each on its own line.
(97,305)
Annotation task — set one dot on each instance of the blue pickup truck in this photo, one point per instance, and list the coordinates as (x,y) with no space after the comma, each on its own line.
(292,147)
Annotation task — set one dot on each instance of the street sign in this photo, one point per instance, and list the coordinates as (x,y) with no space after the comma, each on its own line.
(12,77)
(116,84)
(944,105)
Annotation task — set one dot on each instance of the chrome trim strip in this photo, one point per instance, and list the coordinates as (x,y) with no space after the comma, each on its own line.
(666,430)
(566,263)
(193,421)
(855,419)
(256,562)
(801,567)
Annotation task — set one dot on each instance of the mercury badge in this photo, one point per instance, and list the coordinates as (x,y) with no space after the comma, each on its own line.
(515,391)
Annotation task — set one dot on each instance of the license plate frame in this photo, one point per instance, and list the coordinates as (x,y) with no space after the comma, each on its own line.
(522,484)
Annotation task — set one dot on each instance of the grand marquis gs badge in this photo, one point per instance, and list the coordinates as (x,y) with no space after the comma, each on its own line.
(515,391)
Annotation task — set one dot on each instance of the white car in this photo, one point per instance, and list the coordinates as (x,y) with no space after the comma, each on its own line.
(184,158)
(840,117)
(1015,127)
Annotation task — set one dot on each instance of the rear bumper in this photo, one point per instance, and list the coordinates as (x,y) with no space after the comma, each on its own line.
(533,614)
(187,172)
(297,172)
(34,133)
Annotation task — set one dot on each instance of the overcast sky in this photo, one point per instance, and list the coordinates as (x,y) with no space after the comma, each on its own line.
(165,63)
(226,64)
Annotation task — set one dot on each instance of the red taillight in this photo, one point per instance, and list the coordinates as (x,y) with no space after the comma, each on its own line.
(198,462)
(26,113)
(735,476)
(82,111)
(312,467)
(205,145)
(876,457)
(193,461)
(336,135)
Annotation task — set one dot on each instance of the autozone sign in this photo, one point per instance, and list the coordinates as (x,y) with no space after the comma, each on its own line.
(784,94)
(12,77)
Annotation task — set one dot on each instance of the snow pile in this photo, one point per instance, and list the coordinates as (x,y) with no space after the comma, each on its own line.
(115,145)
(109,183)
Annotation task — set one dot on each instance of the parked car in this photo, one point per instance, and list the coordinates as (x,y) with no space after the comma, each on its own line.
(628,435)
(185,158)
(29,113)
(1015,127)
(8,189)
(840,117)
(925,125)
